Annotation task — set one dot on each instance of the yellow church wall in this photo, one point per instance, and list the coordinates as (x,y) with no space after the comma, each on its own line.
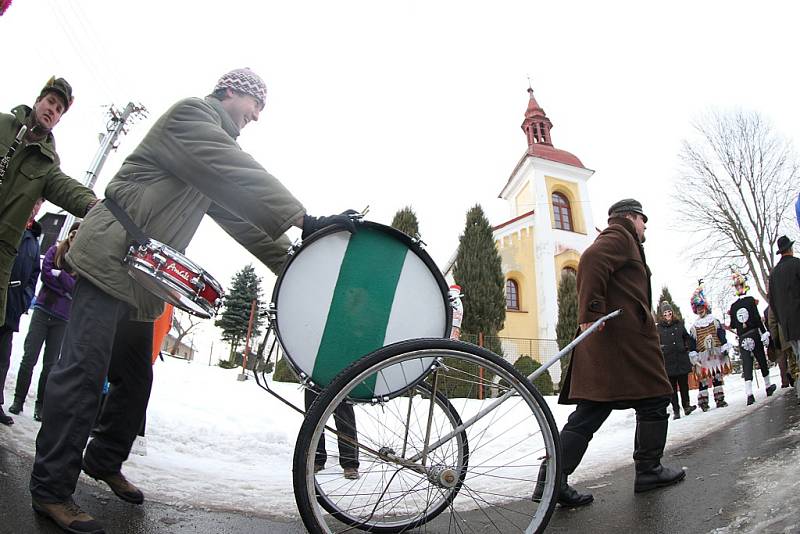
(523,202)
(516,253)
(567,259)
(571,191)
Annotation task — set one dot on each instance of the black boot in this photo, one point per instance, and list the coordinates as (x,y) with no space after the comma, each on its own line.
(16,406)
(650,474)
(750,400)
(690,409)
(770,390)
(566,494)
(573,447)
(37,413)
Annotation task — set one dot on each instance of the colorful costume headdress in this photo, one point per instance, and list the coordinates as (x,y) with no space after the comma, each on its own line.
(699,301)
(739,282)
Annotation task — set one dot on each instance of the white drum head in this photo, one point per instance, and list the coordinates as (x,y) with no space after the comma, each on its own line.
(345,295)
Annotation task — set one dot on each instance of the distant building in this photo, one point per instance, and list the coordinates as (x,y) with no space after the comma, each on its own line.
(184,351)
(550,224)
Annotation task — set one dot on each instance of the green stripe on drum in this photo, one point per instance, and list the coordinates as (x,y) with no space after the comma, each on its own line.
(361,304)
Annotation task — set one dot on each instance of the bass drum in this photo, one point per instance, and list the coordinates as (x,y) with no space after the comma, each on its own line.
(342,296)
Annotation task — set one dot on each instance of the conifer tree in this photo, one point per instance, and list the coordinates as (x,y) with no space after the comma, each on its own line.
(406,221)
(567,323)
(479,272)
(245,286)
(665,296)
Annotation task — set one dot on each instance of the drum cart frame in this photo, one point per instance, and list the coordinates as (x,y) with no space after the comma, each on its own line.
(421,455)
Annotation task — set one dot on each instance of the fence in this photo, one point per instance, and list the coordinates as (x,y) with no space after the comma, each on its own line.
(513,348)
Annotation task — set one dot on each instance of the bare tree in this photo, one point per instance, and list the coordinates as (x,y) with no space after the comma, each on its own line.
(183,323)
(738,180)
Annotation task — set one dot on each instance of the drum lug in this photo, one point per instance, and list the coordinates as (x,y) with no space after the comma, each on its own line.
(294,247)
(417,240)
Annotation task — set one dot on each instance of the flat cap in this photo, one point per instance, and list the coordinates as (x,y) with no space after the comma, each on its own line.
(627,204)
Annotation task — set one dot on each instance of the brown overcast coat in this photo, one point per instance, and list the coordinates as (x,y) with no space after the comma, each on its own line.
(624,361)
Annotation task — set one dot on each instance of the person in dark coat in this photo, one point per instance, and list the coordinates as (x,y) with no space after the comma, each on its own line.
(620,366)
(784,295)
(48,323)
(22,286)
(675,342)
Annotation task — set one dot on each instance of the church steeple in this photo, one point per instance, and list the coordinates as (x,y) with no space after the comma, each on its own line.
(536,124)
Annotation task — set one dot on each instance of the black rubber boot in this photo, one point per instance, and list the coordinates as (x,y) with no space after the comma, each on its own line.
(650,474)
(770,390)
(573,447)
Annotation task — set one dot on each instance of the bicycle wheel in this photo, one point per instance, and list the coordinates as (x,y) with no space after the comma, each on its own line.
(420,466)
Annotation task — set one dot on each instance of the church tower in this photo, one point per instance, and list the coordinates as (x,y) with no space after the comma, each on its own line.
(549,226)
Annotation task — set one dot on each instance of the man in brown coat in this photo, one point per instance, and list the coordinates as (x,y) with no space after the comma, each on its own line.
(621,365)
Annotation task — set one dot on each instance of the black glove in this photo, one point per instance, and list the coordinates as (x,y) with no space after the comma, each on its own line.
(344,220)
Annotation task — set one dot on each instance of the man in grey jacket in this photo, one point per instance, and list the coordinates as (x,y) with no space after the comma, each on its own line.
(188,165)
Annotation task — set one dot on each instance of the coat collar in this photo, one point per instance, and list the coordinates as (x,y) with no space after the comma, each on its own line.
(47,146)
(625,223)
(227,122)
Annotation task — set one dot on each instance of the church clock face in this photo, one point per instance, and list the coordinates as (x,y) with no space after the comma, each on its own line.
(742,315)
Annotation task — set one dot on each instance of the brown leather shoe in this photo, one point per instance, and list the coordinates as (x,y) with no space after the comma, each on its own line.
(118,484)
(68,516)
(351,473)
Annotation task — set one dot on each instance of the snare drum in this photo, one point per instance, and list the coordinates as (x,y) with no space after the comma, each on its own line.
(174,278)
(342,296)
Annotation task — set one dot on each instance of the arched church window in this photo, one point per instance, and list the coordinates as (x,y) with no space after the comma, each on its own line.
(512,295)
(562,212)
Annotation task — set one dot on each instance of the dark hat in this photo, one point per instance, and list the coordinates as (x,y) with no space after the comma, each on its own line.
(627,204)
(62,88)
(784,244)
(665,306)
(74,226)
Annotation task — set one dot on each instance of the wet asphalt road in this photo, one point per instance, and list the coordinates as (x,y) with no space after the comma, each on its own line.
(713,496)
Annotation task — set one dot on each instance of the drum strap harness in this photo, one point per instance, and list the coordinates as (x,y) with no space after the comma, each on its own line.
(139,237)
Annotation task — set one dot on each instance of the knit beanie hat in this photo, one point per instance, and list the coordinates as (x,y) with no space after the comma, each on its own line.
(665,306)
(244,81)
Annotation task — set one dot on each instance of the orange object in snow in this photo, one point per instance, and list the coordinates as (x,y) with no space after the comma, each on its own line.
(161,328)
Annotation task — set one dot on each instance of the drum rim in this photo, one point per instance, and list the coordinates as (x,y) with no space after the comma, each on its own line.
(306,380)
(178,257)
(171,283)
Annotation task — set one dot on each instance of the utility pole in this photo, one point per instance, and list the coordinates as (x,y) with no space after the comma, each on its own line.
(116,125)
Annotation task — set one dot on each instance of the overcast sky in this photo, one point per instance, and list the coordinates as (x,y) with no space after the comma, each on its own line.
(390,104)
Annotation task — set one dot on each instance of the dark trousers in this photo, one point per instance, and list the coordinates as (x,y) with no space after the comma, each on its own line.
(6,334)
(44,329)
(747,360)
(100,341)
(682,382)
(345,418)
(589,416)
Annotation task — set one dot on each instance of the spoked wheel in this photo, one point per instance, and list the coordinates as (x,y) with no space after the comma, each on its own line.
(421,466)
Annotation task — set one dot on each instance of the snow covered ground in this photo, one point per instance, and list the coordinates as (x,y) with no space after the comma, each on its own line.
(216,442)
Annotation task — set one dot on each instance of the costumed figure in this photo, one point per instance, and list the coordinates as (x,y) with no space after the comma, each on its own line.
(458,310)
(709,351)
(746,322)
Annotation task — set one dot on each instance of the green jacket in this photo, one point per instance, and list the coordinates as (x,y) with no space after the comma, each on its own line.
(188,164)
(33,172)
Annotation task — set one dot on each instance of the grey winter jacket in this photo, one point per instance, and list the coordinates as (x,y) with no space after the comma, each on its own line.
(188,164)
